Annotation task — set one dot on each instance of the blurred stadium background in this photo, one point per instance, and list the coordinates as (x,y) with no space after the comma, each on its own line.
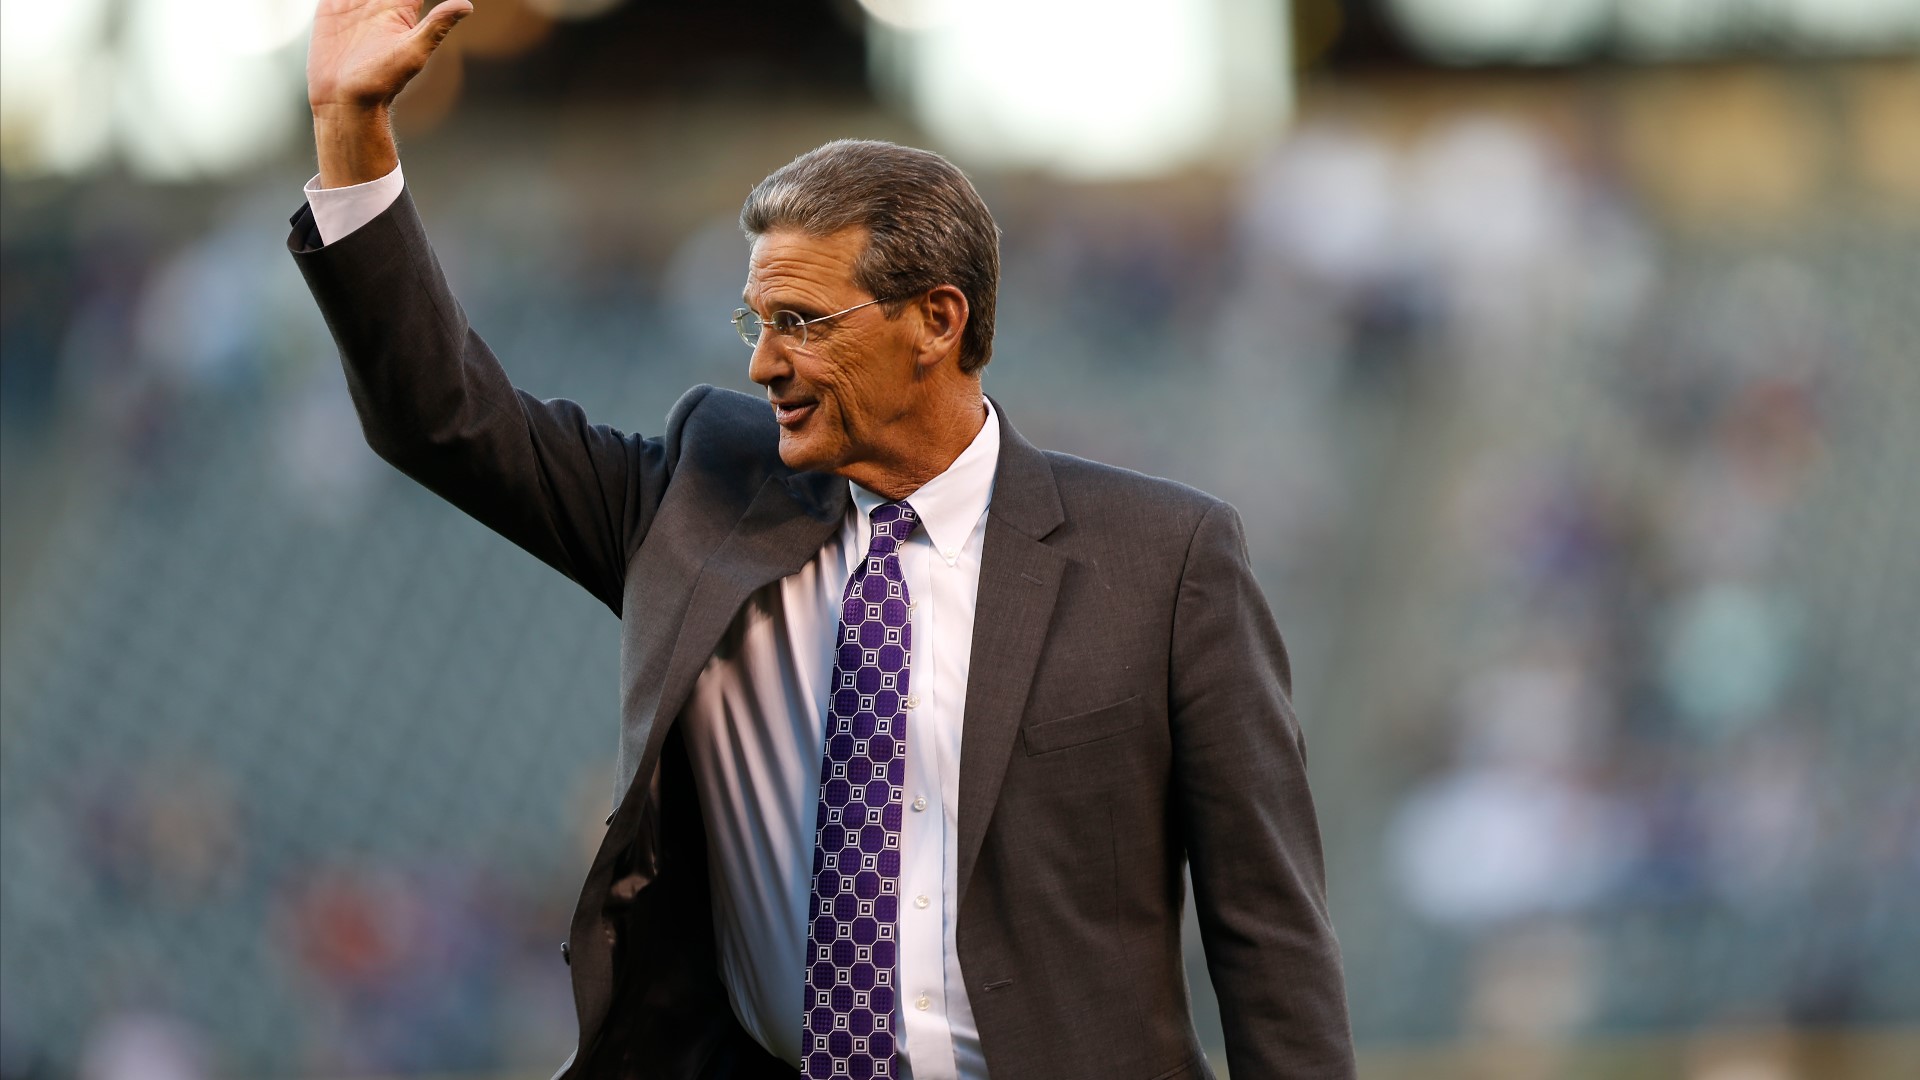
(1564,358)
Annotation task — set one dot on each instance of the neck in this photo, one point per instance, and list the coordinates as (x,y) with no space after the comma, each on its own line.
(931,443)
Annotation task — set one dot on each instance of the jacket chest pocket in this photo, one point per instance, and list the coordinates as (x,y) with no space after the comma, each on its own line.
(1077,729)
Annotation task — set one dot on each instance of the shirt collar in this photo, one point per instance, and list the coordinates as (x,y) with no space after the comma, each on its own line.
(950,505)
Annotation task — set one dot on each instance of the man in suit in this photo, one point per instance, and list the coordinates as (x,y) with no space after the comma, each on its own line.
(920,725)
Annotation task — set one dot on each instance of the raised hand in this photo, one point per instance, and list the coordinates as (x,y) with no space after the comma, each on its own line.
(363,52)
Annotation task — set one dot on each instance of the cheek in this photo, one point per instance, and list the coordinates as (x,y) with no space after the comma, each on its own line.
(852,390)
(877,380)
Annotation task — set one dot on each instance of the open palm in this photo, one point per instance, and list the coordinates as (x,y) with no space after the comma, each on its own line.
(364,51)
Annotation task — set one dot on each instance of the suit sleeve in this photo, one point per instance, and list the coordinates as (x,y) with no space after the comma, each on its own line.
(434,402)
(1251,836)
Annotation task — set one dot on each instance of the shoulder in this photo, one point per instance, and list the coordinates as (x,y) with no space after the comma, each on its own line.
(1133,508)
(1091,486)
(721,445)
(715,408)
(723,427)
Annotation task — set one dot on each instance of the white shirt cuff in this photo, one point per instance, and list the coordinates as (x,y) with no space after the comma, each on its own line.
(337,212)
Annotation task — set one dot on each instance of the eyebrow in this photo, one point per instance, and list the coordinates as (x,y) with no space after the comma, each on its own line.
(799,307)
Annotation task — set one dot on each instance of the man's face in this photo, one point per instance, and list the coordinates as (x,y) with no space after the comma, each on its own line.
(844,398)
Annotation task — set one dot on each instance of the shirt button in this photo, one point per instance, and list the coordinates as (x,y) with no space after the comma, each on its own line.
(921,901)
(920,803)
(922,1002)
(913,701)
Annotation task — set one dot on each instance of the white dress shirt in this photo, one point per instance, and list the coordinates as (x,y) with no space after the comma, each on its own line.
(339,211)
(755,729)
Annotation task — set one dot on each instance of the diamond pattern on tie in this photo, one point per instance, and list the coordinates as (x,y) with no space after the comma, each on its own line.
(851,918)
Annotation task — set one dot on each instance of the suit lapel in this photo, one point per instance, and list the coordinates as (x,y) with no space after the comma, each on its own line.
(784,527)
(1019,582)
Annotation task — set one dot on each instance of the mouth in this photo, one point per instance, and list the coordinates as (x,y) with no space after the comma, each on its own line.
(791,414)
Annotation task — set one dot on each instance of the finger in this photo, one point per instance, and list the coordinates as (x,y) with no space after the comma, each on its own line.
(433,29)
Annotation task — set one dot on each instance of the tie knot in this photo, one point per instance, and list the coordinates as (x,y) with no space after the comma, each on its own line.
(892,523)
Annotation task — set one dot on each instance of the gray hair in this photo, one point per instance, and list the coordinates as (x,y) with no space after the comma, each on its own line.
(925,223)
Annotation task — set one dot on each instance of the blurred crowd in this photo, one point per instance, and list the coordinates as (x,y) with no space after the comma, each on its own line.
(1585,526)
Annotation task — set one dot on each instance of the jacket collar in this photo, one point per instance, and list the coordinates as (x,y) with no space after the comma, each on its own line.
(1025,496)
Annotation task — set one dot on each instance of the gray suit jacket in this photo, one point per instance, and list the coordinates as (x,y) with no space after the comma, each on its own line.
(1128,711)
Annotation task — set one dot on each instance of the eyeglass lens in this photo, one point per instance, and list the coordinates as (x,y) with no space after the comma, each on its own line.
(751,326)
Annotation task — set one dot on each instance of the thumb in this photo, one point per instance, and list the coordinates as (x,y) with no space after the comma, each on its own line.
(433,29)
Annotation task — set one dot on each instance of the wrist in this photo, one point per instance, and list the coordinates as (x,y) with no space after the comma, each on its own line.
(348,115)
(354,143)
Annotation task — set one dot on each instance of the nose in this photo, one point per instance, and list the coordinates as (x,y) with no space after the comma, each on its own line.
(769,363)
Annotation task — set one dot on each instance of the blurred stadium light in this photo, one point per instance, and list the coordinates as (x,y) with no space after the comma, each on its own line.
(1555,31)
(174,89)
(1088,88)
(178,89)
(55,86)
(1528,30)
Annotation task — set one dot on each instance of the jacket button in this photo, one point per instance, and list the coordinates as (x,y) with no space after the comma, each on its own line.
(566,954)
(610,814)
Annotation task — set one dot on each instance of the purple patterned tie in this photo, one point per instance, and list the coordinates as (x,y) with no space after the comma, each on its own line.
(856,841)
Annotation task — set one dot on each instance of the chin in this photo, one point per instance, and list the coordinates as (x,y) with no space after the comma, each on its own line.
(803,455)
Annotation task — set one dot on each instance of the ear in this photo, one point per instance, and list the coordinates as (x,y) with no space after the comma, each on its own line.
(944,314)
